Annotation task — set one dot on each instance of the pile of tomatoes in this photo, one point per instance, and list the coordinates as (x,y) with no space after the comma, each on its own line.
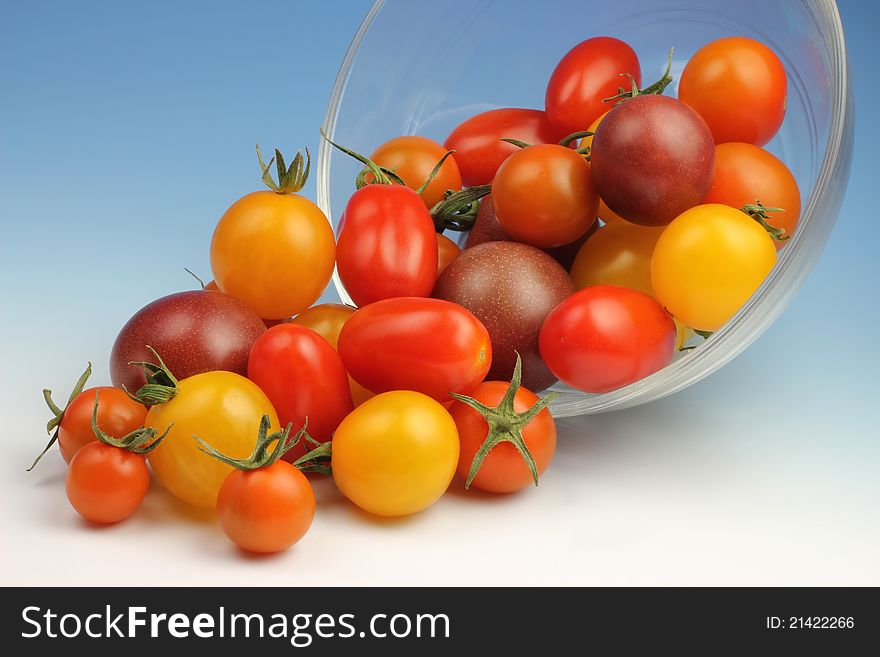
(598,234)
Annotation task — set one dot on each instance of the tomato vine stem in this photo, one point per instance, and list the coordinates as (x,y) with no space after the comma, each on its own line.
(505,424)
(53,425)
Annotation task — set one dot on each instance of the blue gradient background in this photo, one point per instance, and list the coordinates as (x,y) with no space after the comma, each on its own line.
(126,129)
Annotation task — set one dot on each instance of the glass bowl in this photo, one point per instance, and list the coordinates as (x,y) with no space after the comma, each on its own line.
(423,66)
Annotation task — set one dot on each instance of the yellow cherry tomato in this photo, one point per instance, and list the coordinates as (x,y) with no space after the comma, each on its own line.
(327,320)
(708,262)
(396,453)
(413,158)
(222,407)
(617,254)
(273,251)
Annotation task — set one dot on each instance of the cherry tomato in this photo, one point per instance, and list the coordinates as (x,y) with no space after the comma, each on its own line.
(708,262)
(267,509)
(118,415)
(326,320)
(652,159)
(413,158)
(738,86)
(225,406)
(503,470)
(544,196)
(447,251)
(603,337)
(618,254)
(274,250)
(745,173)
(395,454)
(387,247)
(303,377)
(409,343)
(587,74)
(106,484)
(477,143)
(195,331)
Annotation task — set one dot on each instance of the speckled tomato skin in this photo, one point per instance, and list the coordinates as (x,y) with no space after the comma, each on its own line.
(194,331)
(653,157)
(487,229)
(510,288)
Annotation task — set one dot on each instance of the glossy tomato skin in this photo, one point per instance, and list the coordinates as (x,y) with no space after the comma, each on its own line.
(584,77)
(273,251)
(477,143)
(544,196)
(510,288)
(745,173)
(303,376)
(395,454)
(118,416)
(617,254)
(266,510)
(447,251)
(327,320)
(503,470)
(738,85)
(487,229)
(413,158)
(409,343)
(223,409)
(653,158)
(708,262)
(387,247)
(195,331)
(106,484)
(604,337)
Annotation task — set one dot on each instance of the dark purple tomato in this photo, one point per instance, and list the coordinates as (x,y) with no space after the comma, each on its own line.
(510,287)
(195,331)
(487,229)
(653,158)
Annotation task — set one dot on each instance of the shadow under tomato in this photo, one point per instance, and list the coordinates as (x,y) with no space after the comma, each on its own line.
(474,494)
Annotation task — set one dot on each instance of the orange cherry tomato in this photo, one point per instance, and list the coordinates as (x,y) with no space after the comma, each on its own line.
(745,173)
(617,254)
(325,319)
(447,251)
(544,195)
(503,470)
(738,86)
(413,158)
(267,509)
(106,484)
(118,415)
(274,250)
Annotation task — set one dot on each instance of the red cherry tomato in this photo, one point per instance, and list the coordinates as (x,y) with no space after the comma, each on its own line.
(303,376)
(118,415)
(589,73)
(413,158)
(477,143)
(387,247)
(738,86)
(603,337)
(267,509)
(544,196)
(106,484)
(503,470)
(426,345)
(745,173)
